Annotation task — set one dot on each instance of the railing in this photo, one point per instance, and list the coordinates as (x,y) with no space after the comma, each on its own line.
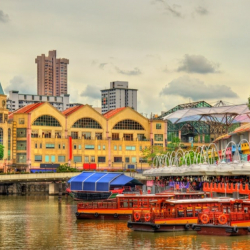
(94,205)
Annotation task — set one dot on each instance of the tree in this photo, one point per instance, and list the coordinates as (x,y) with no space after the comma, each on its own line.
(152,151)
(1,151)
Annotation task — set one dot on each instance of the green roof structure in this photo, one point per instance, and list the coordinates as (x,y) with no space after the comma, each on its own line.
(1,90)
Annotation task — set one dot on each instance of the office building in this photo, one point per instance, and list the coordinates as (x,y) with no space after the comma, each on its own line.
(51,75)
(118,96)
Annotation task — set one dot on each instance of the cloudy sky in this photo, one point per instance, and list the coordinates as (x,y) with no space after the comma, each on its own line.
(173,52)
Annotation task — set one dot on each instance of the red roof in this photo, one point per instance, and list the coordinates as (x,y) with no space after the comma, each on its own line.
(71,110)
(113,112)
(26,109)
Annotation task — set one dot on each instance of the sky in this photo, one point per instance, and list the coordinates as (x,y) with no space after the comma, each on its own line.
(172,51)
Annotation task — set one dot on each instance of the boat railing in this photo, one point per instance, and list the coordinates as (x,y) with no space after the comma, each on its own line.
(94,205)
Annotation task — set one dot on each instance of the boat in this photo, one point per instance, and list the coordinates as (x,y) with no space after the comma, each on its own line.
(121,208)
(232,218)
(170,215)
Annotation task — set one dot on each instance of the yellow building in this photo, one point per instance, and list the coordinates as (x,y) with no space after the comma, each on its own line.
(44,137)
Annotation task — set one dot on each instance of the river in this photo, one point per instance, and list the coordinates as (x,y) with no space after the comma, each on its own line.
(40,222)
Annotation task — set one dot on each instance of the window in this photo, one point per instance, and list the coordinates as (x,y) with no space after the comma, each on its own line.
(130,148)
(63,146)
(141,137)
(92,159)
(128,125)
(77,159)
(21,158)
(21,121)
(115,136)
(86,123)
(98,136)
(46,158)
(74,135)
(49,145)
(89,147)
(46,120)
(74,146)
(59,146)
(158,126)
(38,158)
(101,159)
(79,146)
(34,134)
(127,159)
(41,145)
(118,159)
(142,160)
(99,147)
(53,158)
(158,144)
(115,147)
(133,159)
(35,145)
(86,135)
(9,143)
(21,132)
(128,137)
(103,147)
(140,148)
(86,159)
(21,145)
(120,147)
(158,137)
(61,158)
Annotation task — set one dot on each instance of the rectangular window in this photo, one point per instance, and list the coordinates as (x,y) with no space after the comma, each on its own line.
(130,148)
(89,147)
(158,144)
(120,148)
(50,145)
(53,158)
(61,158)
(158,137)
(101,159)
(127,159)
(118,159)
(115,147)
(21,145)
(128,137)
(103,147)
(74,146)
(35,145)
(99,147)
(86,159)
(38,158)
(133,159)
(158,126)
(41,145)
(21,132)
(115,136)
(79,146)
(46,158)
(74,135)
(140,148)
(77,159)
(59,146)
(63,146)
(141,137)
(86,135)
(21,121)
(92,159)
(98,136)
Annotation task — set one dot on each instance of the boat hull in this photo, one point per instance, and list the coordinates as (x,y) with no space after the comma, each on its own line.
(152,227)
(220,230)
(103,216)
(90,196)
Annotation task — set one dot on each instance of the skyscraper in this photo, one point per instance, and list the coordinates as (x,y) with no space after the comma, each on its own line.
(51,75)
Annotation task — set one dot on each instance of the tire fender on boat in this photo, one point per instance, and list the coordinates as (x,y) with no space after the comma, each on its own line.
(130,225)
(77,214)
(115,215)
(187,226)
(248,229)
(96,215)
(157,226)
(235,229)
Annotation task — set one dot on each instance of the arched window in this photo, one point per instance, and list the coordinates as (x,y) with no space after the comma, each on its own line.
(46,120)
(1,136)
(9,143)
(128,125)
(86,123)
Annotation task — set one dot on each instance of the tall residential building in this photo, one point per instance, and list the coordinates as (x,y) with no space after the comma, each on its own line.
(119,95)
(51,75)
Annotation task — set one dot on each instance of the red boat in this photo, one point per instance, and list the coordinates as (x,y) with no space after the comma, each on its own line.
(121,208)
(232,218)
(170,215)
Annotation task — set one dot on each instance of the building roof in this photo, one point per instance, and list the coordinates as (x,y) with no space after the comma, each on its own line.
(1,90)
(113,112)
(71,110)
(26,109)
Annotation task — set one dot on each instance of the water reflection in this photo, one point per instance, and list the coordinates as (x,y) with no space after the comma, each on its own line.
(40,222)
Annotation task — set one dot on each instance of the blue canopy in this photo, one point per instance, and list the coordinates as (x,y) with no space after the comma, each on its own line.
(91,181)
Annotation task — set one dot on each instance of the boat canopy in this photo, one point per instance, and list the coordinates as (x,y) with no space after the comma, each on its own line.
(91,181)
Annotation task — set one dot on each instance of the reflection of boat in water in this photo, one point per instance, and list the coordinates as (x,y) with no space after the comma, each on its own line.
(231,218)
(121,208)
(170,215)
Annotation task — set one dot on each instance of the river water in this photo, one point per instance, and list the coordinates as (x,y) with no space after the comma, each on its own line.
(40,222)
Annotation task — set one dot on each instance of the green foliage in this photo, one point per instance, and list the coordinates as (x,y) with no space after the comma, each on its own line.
(65,168)
(1,151)
(174,144)
(152,151)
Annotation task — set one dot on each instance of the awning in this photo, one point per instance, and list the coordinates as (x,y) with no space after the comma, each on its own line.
(92,181)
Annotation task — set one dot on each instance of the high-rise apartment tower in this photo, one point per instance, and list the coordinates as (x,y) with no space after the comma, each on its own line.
(52,75)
